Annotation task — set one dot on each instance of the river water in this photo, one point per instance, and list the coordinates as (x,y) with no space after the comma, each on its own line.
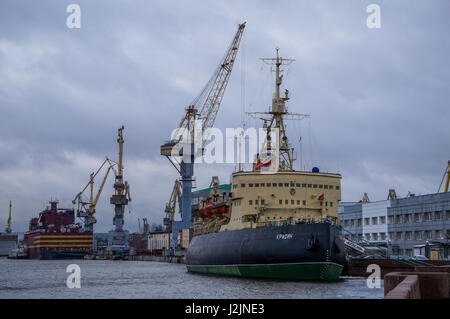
(143,279)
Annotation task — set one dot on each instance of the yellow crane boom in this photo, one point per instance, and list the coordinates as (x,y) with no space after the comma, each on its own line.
(206,105)
(94,203)
(447,182)
(171,205)
(86,210)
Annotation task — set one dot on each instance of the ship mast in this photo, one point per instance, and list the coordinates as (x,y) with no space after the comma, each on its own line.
(278,114)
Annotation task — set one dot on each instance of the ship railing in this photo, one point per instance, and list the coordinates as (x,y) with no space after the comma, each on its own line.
(289,221)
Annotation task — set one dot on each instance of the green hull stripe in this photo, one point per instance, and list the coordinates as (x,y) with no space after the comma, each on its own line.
(294,271)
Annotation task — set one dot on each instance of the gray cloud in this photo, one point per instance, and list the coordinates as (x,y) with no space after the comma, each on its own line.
(378,99)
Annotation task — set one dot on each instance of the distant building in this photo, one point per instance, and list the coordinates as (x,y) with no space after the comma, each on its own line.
(8,241)
(100,241)
(138,242)
(402,224)
(158,241)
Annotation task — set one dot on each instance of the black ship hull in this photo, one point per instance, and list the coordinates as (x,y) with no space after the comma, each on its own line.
(304,251)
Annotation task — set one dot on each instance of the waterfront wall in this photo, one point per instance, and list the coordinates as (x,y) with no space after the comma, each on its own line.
(401,287)
(358,267)
(416,285)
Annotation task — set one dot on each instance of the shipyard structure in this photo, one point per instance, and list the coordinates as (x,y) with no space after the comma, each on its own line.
(410,226)
(8,239)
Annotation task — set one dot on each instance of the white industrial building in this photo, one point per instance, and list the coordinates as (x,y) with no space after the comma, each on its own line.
(402,224)
(158,241)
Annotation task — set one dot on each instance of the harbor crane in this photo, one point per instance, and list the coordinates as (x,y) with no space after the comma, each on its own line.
(86,209)
(182,145)
(118,237)
(8,228)
(447,182)
(171,206)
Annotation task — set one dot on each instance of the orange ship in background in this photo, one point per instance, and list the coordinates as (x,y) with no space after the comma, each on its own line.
(55,235)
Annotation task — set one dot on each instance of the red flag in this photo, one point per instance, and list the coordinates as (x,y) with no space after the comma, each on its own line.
(257,166)
(321,197)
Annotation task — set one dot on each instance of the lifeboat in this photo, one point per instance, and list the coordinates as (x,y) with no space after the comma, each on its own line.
(205,211)
(219,209)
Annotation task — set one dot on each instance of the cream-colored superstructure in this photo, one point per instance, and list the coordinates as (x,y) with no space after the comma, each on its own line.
(259,199)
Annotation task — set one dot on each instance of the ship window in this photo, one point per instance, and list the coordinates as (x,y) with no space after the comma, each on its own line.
(315,186)
(286,201)
(331,186)
(257,185)
(320,186)
(297,185)
(326,203)
(274,184)
(331,204)
(309,185)
(250,185)
(280,184)
(292,184)
(304,202)
(337,188)
(325,186)
(268,184)
(286,184)
(263,185)
(250,202)
(321,203)
(303,185)
(281,201)
(256,202)
(242,185)
(292,202)
(262,201)
(298,201)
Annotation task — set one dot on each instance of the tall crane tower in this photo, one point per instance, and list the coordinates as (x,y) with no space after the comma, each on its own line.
(118,237)
(182,144)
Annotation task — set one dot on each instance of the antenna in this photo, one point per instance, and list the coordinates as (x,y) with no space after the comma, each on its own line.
(278,114)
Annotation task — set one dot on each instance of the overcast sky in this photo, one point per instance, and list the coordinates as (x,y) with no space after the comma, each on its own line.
(378,98)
